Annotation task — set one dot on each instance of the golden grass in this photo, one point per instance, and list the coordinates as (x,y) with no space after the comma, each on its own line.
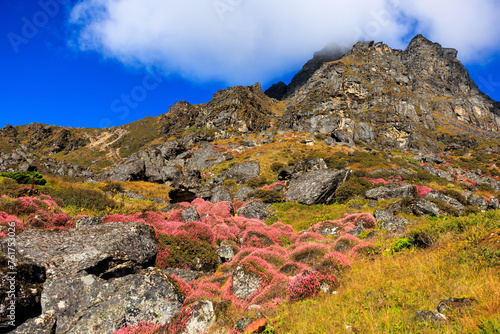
(383,295)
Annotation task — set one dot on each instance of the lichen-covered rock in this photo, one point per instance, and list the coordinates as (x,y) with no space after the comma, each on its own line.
(423,207)
(131,170)
(454,304)
(316,187)
(244,172)
(390,191)
(89,221)
(395,225)
(44,324)
(190,214)
(202,318)
(434,316)
(220,194)
(255,209)
(381,215)
(205,157)
(88,304)
(23,288)
(245,282)
(105,250)
(494,204)
(448,200)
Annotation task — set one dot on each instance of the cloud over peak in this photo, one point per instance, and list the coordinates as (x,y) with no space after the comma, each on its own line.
(244,41)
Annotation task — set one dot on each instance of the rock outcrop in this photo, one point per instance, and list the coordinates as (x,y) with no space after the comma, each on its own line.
(316,187)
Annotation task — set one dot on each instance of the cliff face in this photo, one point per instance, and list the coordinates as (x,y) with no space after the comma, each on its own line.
(390,98)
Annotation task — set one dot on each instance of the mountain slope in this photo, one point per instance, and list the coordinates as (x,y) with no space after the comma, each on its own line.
(421,98)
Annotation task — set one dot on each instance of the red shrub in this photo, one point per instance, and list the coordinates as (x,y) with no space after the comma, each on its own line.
(307,285)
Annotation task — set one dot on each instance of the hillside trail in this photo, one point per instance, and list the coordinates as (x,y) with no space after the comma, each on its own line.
(103,142)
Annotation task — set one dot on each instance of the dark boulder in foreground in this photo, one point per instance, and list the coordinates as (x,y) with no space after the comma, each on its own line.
(316,187)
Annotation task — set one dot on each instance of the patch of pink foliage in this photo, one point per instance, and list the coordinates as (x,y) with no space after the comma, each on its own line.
(392,179)
(367,220)
(140,328)
(309,236)
(360,247)
(183,286)
(271,186)
(339,258)
(307,285)
(346,223)
(5,220)
(423,190)
(487,199)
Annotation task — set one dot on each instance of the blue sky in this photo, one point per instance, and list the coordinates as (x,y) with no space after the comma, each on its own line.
(99,63)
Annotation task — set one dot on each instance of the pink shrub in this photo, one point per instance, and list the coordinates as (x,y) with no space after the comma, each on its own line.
(276,290)
(182,285)
(222,232)
(162,257)
(363,248)
(308,253)
(283,227)
(28,204)
(271,186)
(423,190)
(339,259)
(260,267)
(221,210)
(140,328)
(5,220)
(174,215)
(199,231)
(308,237)
(272,255)
(366,219)
(307,285)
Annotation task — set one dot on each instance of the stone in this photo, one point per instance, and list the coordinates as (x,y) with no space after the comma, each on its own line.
(221,194)
(494,204)
(179,195)
(453,304)
(254,209)
(395,225)
(225,253)
(205,157)
(316,187)
(243,192)
(243,323)
(245,282)
(243,172)
(381,215)
(448,200)
(426,208)
(133,170)
(433,316)
(89,221)
(477,200)
(190,214)
(104,250)
(390,191)
(44,324)
(85,304)
(186,274)
(202,319)
(25,287)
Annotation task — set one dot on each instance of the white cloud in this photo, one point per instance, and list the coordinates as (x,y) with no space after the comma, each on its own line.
(243,41)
